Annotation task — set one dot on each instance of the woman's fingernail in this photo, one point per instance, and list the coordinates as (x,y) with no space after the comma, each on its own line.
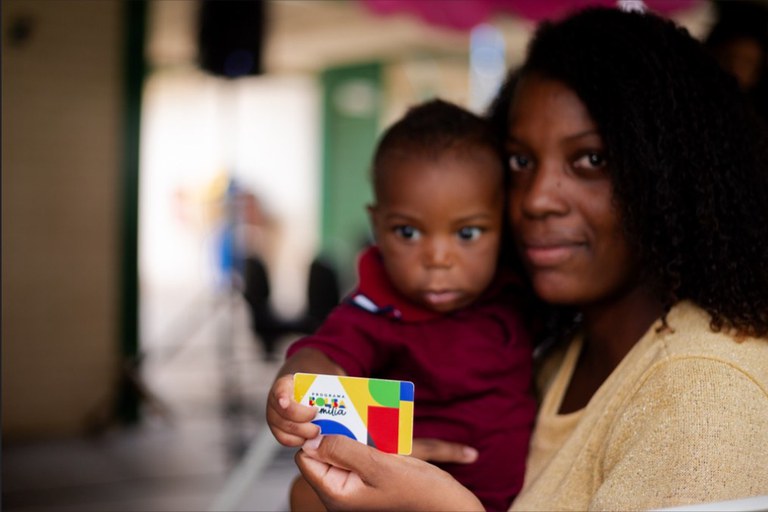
(470,453)
(314,443)
(284,402)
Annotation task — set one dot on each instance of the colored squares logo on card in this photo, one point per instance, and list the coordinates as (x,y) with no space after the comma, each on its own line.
(377,412)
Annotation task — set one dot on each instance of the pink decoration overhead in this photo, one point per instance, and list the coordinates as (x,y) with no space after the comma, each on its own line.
(456,14)
(465,14)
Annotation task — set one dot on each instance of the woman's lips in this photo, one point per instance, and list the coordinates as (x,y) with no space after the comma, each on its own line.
(550,254)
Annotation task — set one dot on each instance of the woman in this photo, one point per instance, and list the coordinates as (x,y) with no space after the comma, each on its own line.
(639,207)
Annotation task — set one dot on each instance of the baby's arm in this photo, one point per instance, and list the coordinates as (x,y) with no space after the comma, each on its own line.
(289,421)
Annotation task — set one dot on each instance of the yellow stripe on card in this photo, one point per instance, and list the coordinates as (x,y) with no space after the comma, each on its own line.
(301,384)
(405,430)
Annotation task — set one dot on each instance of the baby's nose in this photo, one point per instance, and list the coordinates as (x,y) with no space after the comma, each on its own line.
(437,254)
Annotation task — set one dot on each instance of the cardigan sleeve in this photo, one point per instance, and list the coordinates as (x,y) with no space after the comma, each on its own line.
(695,431)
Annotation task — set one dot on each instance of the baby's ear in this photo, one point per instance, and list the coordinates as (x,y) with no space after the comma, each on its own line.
(373,217)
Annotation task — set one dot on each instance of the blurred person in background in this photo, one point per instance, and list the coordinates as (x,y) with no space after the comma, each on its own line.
(739,43)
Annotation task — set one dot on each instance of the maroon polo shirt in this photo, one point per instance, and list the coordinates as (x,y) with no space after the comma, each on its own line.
(471,371)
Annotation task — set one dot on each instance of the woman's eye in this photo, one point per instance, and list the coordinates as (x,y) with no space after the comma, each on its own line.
(407,232)
(470,233)
(519,162)
(591,161)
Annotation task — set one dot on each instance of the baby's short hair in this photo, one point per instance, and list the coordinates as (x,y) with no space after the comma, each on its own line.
(429,130)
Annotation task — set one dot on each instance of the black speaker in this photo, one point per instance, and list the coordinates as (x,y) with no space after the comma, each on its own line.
(231,37)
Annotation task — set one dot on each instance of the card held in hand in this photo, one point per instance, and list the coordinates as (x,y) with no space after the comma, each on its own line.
(376,412)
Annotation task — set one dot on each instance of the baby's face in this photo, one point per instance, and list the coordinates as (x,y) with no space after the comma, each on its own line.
(438,225)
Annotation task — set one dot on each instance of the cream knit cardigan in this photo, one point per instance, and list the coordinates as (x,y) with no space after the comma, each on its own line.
(682,420)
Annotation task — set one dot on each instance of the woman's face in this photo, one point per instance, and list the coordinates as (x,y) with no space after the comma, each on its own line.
(566,228)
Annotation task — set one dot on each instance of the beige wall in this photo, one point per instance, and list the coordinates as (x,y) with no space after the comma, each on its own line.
(61,100)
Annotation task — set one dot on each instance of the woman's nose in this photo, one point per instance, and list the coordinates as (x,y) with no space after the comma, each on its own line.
(543,192)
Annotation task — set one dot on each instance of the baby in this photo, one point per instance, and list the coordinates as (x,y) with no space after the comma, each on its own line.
(432,305)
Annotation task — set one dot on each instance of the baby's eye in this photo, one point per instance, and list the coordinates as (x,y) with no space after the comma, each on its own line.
(591,160)
(470,233)
(519,162)
(407,232)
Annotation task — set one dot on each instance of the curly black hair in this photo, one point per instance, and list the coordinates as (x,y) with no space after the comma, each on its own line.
(687,155)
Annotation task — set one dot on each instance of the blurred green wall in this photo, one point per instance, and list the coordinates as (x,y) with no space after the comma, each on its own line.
(352,107)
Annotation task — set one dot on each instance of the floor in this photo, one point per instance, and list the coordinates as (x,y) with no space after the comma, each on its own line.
(201,445)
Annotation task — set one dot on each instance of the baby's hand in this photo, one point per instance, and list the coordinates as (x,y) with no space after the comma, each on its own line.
(288,420)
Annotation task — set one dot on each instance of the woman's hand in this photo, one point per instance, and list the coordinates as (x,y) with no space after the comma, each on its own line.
(348,475)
